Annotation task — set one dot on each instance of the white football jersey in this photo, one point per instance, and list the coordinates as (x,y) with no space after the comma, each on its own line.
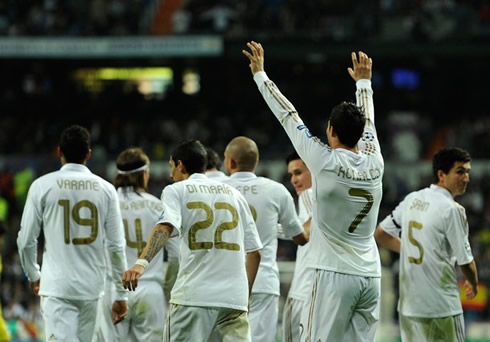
(140,212)
(219,176)
(347,187)
(434,234)
(303,275)
(77,211)
(216,230)
(270,203)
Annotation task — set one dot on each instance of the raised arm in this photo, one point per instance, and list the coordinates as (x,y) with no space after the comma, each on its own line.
(309,148)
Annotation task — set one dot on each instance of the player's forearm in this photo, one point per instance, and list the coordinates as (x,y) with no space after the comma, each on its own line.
(470,273)
(158,238)
(387,241)
(307,145)
(118,266)
(252,265)
(27,248)
(300,239)
(364,99)
(306,227)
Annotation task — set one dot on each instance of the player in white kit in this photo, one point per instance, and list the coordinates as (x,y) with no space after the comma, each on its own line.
(347,188)
(434,238)
(140,211)
(213,168)
(271,203)
(299,290)
(79,215)
(217,235)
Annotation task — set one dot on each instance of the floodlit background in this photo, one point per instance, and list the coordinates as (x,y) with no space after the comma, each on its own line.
(151,73)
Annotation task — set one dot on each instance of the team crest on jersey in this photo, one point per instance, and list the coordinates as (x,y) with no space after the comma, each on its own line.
(367,136)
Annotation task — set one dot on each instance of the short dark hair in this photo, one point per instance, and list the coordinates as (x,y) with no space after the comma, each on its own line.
(192,154)
(445,158)
(75,144)
(129,160)
(348,120)
(292,156)
(214,161)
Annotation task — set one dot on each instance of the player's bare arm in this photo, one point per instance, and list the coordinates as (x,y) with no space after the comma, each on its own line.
(252,265)
(471,276)
(387,241)
(256,58)
(35,286)
(300,239)
(158,238)
(119,311)
(362,66)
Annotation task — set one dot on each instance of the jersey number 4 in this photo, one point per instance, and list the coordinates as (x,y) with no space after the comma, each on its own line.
(92,221)
(208,222)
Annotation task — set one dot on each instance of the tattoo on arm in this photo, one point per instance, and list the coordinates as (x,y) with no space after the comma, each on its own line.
(158,239)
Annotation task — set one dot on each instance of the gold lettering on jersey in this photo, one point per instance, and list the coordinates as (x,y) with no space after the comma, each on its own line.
(141,204)
(358,175)
(248,189)
(209,189)
(72,184)
(419,205)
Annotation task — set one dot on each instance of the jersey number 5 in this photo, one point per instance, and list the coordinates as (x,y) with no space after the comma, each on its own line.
(92,221)
(416,225)
(208,222)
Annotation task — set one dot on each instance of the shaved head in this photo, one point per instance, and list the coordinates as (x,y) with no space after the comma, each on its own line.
(244,152)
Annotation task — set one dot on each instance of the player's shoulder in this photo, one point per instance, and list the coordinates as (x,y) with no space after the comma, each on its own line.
(150,197)
(270,183)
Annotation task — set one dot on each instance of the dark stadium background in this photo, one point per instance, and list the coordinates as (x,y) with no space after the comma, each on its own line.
(431,75)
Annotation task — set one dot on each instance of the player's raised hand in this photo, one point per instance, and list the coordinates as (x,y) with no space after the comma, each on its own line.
(361,66)
(119,311)
(256,57)
(130,277)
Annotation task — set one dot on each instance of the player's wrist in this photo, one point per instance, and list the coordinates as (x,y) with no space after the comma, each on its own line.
(142,262)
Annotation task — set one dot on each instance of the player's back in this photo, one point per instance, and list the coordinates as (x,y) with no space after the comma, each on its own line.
(270,203)
(214,242)
(140,211)
(77,205)
(428,282)
(347,195)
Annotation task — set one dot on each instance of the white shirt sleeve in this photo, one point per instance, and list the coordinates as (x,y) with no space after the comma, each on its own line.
(305,205)
(311,149)
(369,143)
(392,224)
(251,236)
(116,243)
(30,228)
(457,234)
(288,218)
(171,209)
